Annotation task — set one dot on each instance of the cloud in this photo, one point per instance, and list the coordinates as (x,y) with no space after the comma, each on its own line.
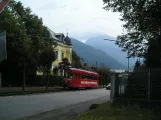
(83,41)
(80,17)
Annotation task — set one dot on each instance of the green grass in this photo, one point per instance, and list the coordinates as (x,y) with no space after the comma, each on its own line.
(41,116)
(108,112)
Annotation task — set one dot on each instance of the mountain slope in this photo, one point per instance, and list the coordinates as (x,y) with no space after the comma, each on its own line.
(110,48)
(92,55)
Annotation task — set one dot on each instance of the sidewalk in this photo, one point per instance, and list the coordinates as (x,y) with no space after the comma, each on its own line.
(7,91)
(67,113)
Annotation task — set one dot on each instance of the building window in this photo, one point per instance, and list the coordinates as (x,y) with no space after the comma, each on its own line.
(62,55)
(56,54)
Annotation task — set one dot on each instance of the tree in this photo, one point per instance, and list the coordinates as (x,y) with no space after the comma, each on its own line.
(85,65)
(76,60)
(137,65)
(65,64)
(142,24)
(27,40)
(18,44)
(104,73)
(153,54)
(45,62)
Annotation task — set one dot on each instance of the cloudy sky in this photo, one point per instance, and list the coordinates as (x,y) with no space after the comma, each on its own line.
(82,18)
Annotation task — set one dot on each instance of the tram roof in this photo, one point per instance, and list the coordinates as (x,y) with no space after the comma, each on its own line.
(83,71)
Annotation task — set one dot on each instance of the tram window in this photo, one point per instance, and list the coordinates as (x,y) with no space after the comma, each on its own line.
(70,74)
(92,77)
(75,75)
(86,76)
(89,77)
(83,77)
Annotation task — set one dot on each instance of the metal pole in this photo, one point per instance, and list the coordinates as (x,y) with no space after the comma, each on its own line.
(106,80)
(149,84)
(0,76)
(149,87)
(0,79)
(128,61)
(24,77)
(112,91)
(96,64)
(128,64)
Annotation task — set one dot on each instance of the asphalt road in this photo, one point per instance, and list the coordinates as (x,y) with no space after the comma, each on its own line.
(14,107)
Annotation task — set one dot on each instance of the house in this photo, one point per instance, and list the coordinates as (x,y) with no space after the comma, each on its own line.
(63,48)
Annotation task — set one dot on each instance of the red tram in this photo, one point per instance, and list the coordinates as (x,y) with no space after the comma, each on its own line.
(78,78)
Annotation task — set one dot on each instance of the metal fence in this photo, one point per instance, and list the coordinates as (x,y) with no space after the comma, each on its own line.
(142,85)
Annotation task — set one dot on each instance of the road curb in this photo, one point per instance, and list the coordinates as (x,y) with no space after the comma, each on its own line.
(50,92)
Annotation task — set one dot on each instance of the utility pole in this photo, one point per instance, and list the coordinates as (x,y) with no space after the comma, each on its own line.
(24,76)
(128,61)
(96,64)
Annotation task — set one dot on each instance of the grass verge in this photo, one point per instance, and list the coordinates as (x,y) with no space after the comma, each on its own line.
(108,112)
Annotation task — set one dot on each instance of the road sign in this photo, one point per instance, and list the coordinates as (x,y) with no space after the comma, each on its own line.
(3,3)
(3,51)
(0,79)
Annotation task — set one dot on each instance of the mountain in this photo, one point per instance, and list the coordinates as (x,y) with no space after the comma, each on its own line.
(110,48)
(92,55)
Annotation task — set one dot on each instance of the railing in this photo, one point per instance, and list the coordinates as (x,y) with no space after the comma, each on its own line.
(141,85)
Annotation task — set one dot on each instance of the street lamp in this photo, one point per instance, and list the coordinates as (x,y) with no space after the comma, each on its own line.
(109,39)
(127,52)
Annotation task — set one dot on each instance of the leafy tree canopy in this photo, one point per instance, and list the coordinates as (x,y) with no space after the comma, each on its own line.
(27,37)
(28,40)
(76,60)
(142,23)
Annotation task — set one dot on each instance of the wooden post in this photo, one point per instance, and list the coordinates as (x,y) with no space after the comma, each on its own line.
(24,77)
(149,77)
(47,83)
(112,94)
(0,79)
